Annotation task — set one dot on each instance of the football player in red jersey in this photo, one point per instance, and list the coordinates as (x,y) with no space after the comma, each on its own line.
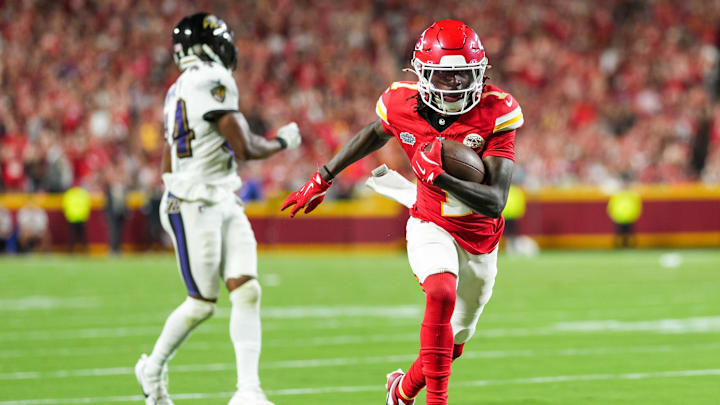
(455,225)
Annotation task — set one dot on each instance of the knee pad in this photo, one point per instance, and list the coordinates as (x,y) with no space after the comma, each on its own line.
(198,309)
(248,293)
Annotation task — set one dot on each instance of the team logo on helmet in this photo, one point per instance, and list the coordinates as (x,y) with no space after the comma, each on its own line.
(420,44)
(474,141)
(211,21)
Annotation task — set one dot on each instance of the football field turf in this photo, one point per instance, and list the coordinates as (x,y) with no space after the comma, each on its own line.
(561,328)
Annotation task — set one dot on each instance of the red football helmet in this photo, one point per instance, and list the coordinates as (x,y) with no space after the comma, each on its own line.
(450,63)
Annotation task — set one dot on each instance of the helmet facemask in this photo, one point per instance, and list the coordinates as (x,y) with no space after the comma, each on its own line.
(450,88)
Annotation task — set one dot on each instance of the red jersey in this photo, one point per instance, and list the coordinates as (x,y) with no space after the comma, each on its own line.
(489,129)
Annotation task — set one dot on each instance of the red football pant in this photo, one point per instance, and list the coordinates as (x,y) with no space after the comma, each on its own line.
(432,368)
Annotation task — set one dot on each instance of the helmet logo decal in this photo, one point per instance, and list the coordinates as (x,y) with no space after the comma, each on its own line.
(420,45)
(474,141)
(210,21)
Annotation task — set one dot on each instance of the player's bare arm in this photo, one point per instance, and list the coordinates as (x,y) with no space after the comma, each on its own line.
(166,162)
(309,196)
(245,144)
(365,142)
(486,199)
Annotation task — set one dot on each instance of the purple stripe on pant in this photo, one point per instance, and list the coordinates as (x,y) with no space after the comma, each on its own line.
(179,230)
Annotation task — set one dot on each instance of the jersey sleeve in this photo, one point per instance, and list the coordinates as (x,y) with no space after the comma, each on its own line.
(387,107)
(213,92)
(509,114)
(509,118)
(382,111)
(501,144)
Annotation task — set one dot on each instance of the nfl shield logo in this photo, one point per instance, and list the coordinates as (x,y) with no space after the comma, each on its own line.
(474,141)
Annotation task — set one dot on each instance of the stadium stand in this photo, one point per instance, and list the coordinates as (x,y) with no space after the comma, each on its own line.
(628,88)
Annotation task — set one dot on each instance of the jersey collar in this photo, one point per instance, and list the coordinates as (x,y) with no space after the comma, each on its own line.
(436,120)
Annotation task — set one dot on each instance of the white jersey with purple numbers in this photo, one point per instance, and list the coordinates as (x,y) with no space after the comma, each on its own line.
(203,165)
(212,236)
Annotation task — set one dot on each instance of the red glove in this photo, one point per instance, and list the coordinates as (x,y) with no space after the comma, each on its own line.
(309,196)
(427,165)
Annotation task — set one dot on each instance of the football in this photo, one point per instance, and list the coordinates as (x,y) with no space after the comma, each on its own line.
(462,162)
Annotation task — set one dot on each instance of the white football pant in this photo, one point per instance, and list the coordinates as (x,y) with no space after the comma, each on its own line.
(432,250)
(212,242)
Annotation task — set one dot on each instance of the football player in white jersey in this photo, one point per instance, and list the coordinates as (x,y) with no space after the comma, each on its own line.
(212,237)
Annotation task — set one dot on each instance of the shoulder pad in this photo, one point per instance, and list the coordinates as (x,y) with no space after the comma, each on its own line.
(397,92)
(203,68)
(208,75)
(507,111)
(403,85)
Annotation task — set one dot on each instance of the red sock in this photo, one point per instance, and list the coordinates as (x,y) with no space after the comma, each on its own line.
(457,350)
(436,337)
(414,380)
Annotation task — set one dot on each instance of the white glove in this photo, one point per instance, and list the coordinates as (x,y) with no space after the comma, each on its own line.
(391,184)
(290,135)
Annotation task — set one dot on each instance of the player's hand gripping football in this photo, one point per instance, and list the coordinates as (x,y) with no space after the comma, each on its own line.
(309,196)
(289,135)
(427,164)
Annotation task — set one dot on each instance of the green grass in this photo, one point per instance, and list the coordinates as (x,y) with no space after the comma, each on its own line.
(562,328)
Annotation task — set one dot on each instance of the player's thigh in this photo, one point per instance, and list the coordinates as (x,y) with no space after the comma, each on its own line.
(475,285)
(431,249)
(239,245)
(196,232)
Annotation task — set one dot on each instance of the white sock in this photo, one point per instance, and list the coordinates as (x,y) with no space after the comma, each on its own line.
(245,333)
(177,328)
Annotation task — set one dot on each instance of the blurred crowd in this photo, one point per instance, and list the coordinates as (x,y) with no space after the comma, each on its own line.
(619,89)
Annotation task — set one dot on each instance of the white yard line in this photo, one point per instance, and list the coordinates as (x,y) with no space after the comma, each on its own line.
(706,324)
(302,312)
(379,388)
(42,302)
(346,361)
(324,317)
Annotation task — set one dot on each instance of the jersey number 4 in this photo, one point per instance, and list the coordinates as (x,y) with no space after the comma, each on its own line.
(182,134)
